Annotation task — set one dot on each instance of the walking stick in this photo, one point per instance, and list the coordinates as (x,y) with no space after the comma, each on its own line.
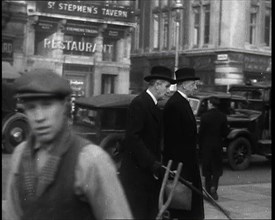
(207,197)
(163,207)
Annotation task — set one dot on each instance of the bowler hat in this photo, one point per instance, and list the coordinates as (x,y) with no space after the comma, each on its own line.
(186,73)
(160,72)
(41,83)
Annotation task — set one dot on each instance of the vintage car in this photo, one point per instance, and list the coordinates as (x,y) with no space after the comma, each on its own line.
(258,97)
(246,126)
(102,119)
(15,126)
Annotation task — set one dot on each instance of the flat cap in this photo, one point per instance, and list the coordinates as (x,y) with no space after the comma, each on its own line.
(41,83)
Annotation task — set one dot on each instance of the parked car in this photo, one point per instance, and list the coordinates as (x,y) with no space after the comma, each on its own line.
(246,126)
(258,97)
(102,119)
(15,127)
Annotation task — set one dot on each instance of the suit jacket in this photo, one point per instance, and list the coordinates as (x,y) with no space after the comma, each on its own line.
(213,128)
(180,141)
(142,143)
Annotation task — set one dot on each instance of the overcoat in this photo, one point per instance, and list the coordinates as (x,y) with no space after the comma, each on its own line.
(180,141)
(213,128)
(141,150)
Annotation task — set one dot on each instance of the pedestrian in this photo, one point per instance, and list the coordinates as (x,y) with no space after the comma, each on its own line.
(141,168)
(180,140)
(56,174)
(213,129)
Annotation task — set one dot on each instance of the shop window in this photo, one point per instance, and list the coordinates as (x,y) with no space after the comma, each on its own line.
(39,43)
(79,45)
(109,49)
(156,31)
(107,83)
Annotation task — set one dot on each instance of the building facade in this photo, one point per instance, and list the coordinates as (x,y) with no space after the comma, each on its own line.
(87,42)
(227,42)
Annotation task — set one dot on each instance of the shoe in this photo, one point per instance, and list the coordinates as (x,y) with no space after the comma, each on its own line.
(213,193)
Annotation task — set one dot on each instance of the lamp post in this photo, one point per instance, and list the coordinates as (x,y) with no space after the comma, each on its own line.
(176,13)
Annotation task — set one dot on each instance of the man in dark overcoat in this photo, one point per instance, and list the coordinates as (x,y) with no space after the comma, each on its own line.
(141,168)
(180,140)
(213,129)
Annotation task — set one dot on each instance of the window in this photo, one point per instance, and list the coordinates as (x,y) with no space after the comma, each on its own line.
(39,42)
(165,30)
(164,3)
(173,34)
(196,38)
(267,30)
(156,3)
(136,35)
(156,31)
(107,84)
(109,49)
(252,25)
(201,25)
(206,23)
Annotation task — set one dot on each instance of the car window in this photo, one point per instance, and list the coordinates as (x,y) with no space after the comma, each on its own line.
(113,118)
(85,116)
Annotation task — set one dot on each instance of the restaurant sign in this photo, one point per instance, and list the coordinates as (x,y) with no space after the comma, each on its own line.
(85,9)
(81,46)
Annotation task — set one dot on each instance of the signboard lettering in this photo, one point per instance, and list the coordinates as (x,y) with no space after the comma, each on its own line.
(7,48)
(86,9)
(75,45)
(69,45)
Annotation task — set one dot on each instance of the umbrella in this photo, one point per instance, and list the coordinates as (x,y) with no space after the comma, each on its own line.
(8,71)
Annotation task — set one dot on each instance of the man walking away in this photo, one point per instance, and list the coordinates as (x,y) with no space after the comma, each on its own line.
(213,129)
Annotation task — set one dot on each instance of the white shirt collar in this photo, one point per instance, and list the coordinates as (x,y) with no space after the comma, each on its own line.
(183,95)
(152,96)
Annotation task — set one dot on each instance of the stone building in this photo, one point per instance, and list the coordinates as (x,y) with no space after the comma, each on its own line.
(87,42)
(225,41)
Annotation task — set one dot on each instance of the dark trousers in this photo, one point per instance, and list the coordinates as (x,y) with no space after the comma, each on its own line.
(211,181)
(143,203)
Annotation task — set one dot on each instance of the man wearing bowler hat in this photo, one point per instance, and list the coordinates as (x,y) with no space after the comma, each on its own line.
(141,168)
(55,174)
(180,140)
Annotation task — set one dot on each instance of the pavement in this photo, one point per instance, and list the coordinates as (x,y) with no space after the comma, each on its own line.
(249,201)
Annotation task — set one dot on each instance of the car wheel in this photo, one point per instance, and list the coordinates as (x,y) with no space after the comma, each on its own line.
(14,130)
(239,153)
(112,145)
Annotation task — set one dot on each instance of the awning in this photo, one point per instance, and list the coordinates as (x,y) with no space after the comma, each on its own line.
(8,71)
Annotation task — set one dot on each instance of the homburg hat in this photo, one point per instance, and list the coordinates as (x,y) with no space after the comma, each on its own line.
(186,73)
(41,83)
(160,72)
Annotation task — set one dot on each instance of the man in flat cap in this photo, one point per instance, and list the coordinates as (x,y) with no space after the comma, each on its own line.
(56,174)
(180,140)
(140,169)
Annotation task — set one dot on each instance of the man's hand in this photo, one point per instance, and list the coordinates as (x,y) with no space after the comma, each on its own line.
(158,170)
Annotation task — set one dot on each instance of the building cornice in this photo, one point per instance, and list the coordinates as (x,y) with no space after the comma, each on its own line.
(203,52)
